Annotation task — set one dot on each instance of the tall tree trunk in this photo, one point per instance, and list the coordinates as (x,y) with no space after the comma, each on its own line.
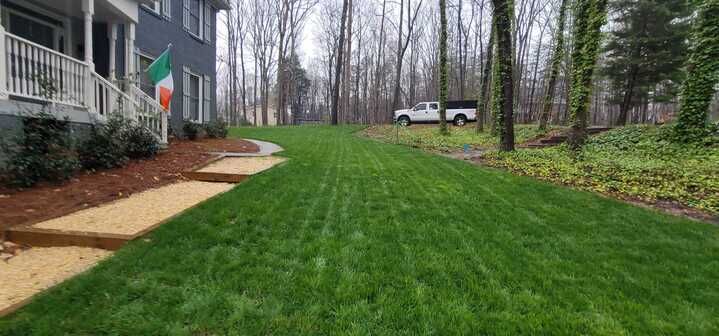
(703,74)
(380,56)
(483,100)
(244,83)
(338,68)
(628,95)
(443,68)
(348,66)
(589,17)
(503,19)
(557,56)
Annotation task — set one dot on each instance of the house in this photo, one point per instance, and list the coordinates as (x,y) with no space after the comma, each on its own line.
(94,53)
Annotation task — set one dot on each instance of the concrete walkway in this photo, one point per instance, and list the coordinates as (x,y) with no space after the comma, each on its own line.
(266,149)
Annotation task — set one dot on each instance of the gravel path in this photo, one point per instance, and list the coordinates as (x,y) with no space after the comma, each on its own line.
(139,211)
(242,165)
(37,269)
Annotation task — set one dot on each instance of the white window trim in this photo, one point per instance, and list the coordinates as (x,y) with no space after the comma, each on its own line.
(57,31)
(139,54)
(205,24)
(158,8)
(186,113)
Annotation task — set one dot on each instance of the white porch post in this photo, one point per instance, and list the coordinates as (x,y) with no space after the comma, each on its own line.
(88,9)
(112,60)
(130,52)
(3,66)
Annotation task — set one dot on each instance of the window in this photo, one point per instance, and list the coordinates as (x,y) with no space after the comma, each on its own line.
(197,18)
(208,22)
(420,107)
(196,96)
(161,7)
(33,26)
(433,106)
(192,17)
(143,78)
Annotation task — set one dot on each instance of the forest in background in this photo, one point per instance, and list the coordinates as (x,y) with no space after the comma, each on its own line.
(389,59)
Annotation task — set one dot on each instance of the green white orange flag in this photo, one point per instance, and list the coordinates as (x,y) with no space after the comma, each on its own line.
(160,72)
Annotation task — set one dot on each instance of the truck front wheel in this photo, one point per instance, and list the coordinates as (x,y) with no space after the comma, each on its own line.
(403,121)
(460,120)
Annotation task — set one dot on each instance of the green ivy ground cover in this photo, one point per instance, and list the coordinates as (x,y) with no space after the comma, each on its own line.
(635,161)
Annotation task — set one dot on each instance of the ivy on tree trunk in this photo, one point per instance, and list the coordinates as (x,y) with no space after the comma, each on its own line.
(589,16)
(504,99)
(443,68)
(702,74)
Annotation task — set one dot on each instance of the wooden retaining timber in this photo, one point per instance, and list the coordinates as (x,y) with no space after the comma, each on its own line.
(215,177)
(58,238)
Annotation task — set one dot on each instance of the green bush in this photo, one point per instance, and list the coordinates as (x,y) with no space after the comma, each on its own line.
(42,152)
(191,129)
(216,129)
(139,142)
(102,149)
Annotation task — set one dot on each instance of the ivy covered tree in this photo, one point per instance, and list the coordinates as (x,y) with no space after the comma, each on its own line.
(589,16)
(557,56)
(702,74)
(504,98)
(646,48)
(443,80)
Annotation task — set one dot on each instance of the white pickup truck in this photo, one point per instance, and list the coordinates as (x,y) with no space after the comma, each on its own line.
(458,111)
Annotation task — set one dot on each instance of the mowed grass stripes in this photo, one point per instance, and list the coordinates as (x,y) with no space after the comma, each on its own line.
(352,236)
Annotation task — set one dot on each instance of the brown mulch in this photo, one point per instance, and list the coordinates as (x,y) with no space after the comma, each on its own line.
(45,201)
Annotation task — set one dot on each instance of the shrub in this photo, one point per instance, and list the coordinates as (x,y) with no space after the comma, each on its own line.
(139,141)
(42,152)
(216,129)
(190,129)
(105,147)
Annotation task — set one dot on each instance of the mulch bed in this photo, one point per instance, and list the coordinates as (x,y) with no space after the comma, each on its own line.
(45,200)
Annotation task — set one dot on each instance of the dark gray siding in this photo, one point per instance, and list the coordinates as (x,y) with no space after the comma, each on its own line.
(152,35)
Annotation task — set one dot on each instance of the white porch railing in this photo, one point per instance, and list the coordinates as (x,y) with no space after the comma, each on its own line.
(150,113)
(30,70)
(109,99)
(29,64)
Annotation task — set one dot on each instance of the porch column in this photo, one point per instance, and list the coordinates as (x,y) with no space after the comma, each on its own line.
(113,41)
(88,9)
(3,66)
(130,53)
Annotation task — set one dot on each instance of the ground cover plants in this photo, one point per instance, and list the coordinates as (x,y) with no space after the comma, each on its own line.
(634,161)
(428,138)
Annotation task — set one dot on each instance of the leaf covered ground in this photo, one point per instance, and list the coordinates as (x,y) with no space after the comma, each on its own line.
(355,237)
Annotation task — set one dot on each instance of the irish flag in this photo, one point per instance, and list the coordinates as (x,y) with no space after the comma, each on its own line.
(160,72)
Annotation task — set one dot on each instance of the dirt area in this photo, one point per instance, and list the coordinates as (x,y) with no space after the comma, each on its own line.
(88,189)
(155,206)
(242,165)
(37,269)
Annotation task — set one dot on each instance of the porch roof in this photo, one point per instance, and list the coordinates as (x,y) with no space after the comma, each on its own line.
(111,11)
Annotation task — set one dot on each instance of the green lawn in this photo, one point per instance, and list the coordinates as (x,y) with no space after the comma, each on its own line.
(353,236)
